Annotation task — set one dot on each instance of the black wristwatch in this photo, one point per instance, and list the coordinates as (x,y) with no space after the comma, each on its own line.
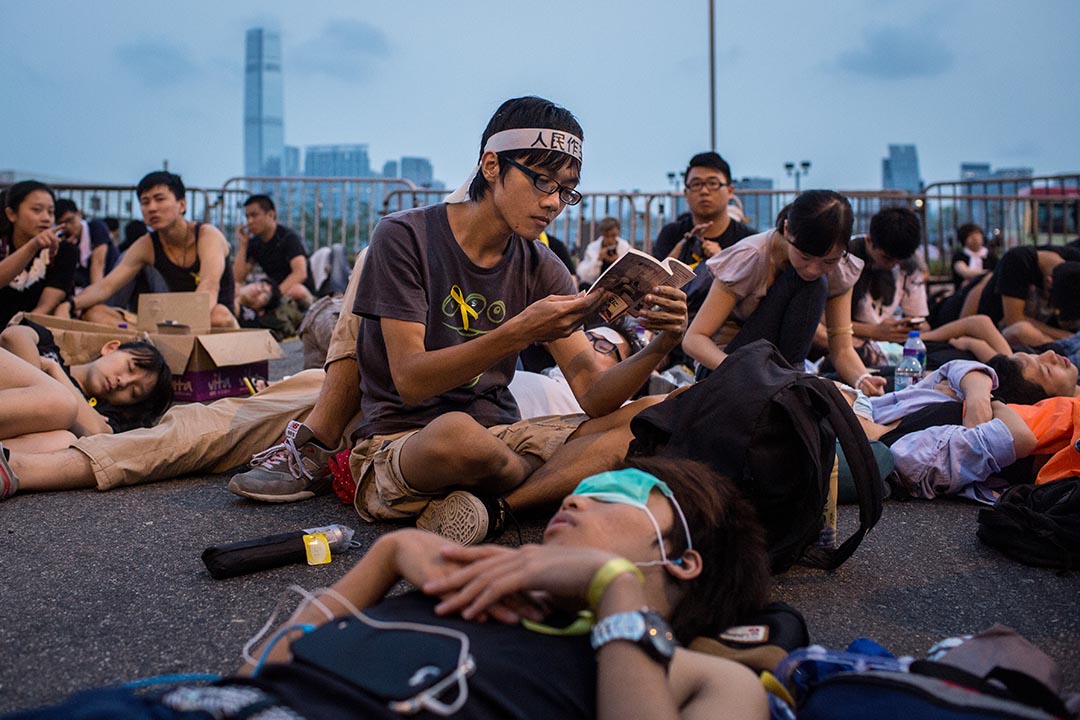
(643,627)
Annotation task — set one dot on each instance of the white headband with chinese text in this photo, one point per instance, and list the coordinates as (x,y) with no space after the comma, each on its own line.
(521,139)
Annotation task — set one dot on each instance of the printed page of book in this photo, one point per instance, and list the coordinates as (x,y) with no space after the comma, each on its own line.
(630,279)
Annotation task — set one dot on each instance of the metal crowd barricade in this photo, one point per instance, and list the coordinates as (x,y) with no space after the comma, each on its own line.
(120,201)
(1043,210)
(323,210)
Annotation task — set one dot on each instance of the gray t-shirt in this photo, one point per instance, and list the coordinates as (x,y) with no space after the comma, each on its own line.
(415,271)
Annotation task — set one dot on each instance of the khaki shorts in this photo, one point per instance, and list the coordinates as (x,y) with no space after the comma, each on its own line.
(383,494)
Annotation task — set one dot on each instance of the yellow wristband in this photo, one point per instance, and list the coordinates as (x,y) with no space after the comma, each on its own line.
(834,331)
(604,577)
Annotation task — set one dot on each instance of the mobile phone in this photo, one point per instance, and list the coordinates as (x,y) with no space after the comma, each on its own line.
(913,321)
(393,665)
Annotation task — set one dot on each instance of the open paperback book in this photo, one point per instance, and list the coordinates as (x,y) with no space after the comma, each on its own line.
(630,278)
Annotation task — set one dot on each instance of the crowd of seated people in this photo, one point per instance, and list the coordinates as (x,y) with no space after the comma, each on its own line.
(466,380)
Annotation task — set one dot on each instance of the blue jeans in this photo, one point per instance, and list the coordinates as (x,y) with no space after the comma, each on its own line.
(108,704)
(787,316)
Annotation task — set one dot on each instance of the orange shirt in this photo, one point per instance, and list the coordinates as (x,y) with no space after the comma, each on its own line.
(1055,423)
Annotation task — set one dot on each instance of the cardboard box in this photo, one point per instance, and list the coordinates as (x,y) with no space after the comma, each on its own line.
(207,363)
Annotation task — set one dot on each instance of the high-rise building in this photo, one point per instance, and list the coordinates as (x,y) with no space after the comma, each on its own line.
(418,170)
(264,110)
(389,169)
(758,210)
(338,199)
(337,161)
(974,171)
(900,171)
(292,161)
(978,179)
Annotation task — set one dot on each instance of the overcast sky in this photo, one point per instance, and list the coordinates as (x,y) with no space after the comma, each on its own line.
(103,91)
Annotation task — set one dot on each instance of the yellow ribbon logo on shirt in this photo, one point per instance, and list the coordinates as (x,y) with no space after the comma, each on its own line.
(464,307)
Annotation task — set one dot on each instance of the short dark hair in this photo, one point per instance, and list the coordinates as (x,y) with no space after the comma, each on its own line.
(13,197)
(162,177)
(147,411)
(896,231)
(528,112)
(608,223)
(966,229)
(709,160)
(64,206)
(818,220)
(1013,387)
(263,201)
(133,230)
(734,579)
(112,223)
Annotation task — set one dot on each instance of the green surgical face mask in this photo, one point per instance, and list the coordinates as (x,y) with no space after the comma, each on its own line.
(631,486)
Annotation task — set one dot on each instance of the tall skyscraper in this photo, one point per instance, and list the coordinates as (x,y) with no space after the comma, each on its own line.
(758,210)
(389,169)
(292,161)
(418,170)
(900,171)
(337,161)
(264,108)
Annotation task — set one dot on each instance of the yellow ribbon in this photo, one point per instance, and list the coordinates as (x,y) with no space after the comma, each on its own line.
(466,310)
(92,402)
(580,626)
(543,239)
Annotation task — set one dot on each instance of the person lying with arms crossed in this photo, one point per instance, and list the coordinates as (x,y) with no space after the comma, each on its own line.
(635,562)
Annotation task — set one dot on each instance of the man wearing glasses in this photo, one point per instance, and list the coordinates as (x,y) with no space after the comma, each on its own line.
(450,294)
(708,228)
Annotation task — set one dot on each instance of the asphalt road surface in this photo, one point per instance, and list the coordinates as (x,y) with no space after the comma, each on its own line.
(102,588)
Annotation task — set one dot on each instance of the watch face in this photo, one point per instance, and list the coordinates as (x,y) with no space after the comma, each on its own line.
(659,634)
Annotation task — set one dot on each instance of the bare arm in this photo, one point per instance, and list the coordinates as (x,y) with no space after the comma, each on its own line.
(976,386)
(297,274)
(241,265)
(1024,441)
(890,329)
(16,262)
(420,374)
(97,263)
(1014,314)
(600,392)
(138,256)
(629,682)
(714,312)
(21,341)
(841,350)
(87,420)
(212,249)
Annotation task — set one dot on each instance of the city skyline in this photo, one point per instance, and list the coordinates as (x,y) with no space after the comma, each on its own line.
(963,81)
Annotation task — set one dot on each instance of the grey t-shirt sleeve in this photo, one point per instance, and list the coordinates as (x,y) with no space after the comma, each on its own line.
(393,280)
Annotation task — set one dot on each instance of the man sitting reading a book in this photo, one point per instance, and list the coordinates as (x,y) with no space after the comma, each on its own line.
(450,295)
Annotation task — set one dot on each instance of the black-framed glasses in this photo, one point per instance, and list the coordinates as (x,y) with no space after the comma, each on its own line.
(712,183)
(547,185)
(604,346)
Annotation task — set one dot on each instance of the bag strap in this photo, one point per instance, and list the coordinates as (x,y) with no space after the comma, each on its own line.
(864,472)
(1018,686)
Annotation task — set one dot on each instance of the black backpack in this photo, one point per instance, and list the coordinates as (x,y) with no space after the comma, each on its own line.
(1036,524)
(773,430)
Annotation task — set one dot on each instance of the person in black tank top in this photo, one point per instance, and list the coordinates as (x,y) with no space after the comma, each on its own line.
(653,554)
(189,256)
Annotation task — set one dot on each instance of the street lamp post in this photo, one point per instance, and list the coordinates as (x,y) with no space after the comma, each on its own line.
(798,171)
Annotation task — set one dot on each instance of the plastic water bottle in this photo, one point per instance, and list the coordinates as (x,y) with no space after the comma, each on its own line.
(909,371)
(914,341)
